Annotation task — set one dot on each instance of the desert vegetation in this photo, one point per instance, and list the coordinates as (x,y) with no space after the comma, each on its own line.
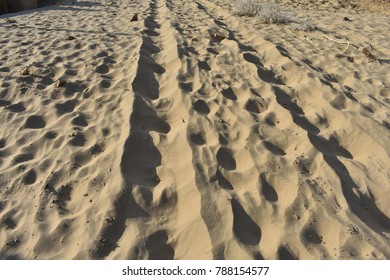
(271,12)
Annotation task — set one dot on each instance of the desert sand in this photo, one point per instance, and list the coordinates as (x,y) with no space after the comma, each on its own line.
(192,133)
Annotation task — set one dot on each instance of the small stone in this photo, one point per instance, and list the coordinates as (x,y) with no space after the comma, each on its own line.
(218,37)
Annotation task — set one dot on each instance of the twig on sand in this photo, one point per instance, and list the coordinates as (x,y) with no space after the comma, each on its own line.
(341,42)
(369,56)
(224,122)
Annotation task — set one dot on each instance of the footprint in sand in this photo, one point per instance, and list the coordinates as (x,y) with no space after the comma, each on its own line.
(66,107)
(285,254)
(204,66)
(268,190)
(310,235)
(244,228)
(157,246)
(16,108)
(252,59)
(2,143)
(105,84)
(273,149)
(270,119)
(80,120)
(63,196)
(255,106)
(23,157)
(51,135)
(222,181)
(78,139)
(106,131)
(30,177)
(102,54)
(35,122)
(225,159)
(9,223)
(97,149)
(213,51)
(201,107)
(229,94)
(197,139)
(102,69)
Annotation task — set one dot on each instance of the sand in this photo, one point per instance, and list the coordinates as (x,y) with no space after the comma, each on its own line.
(192,133)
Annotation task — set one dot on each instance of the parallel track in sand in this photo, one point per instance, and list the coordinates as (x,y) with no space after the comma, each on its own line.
(220,149)
(222,207)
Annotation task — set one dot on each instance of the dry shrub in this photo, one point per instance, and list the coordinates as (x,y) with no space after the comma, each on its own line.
(266,11)
(270,12)
(306,26)
(248,8)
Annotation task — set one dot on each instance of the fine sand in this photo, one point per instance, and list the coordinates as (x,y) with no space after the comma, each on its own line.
(192,133)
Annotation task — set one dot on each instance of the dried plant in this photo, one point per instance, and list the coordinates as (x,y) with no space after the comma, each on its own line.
(248,8)
(270,12)
(306,25)
(267,12)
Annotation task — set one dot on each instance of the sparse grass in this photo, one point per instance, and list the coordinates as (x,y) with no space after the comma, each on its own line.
(270,12)
(248,8)
(306,26)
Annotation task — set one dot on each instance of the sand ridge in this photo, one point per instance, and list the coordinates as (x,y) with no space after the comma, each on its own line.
(158,139)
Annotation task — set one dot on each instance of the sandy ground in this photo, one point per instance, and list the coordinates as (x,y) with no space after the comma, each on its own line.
(156,139)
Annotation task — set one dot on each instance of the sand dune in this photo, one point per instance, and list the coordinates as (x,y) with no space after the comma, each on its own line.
(193,133)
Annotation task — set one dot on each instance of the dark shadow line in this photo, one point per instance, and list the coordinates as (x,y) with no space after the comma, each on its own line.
(140,156)
(373,217)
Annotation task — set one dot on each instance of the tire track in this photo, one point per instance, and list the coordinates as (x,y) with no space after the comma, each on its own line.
(192,83)
(375,219)
(140,157)
(285,98)
(182,91)
(213,156)
(157,174)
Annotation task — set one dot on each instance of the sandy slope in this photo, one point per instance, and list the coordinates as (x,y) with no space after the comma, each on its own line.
(165,142)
